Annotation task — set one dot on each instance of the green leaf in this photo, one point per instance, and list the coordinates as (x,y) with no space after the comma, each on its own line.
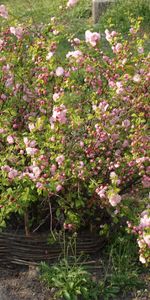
(66,295)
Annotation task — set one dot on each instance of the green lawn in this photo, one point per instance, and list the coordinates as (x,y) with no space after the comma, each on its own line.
(78,19)
(75,20)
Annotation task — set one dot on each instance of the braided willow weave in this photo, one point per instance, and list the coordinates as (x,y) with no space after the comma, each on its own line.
(23,250)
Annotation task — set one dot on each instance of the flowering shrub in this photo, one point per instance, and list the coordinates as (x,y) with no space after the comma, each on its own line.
(142,230)
(74,133)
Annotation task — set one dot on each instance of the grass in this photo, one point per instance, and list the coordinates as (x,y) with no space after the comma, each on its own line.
(75,20)
(118,15)
(80,16)
(121,270)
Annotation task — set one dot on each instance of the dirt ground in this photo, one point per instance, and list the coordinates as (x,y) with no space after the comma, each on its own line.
(23,284)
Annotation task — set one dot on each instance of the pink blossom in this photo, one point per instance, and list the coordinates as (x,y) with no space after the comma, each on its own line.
(10,139)
(56,96)
(53,169)
(3,12)
(59,71)
(49,55)
(32,143)
(71,3)
(1,46)
(114,199)
(75,54)
(59,188)
(68,226)
(81,144)
(26,141)
(113,175)
(39,185)
(60,159)
(110,35)
(113,33)
(3,97)
(52,139)
(101,191)
(132,30)
(5,168)
(126,123)
(31,151)
(117,48)
(92,38)
(146,238)
(140,243)
(6,68)
(9,81)
(119,89)
(145,221)
(140,50)
(12,174)
(59,114)
(36,171)
(31,176)
(55,32)
(31,126)
(146,181)
(81,164)
(103,106)
(125,144)
(136,78)
(76,41)
(140,160)
(142,259)
(115,136)
(17,31)
(111,83)
(29,143)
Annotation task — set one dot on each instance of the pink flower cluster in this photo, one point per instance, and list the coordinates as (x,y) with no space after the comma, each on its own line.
(10,139)
(33,172)
(75,54)
(101,191)
(143,231)
(17,31)
(3,12)
(92,38)
(59,115)
(146,181)
(110,35)
(49,55)
(117,48)
(59,71)
(60,159)
(12,173)
(30,147)
(114,199)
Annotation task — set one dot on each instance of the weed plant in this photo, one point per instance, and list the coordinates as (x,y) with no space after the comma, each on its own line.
(71,280)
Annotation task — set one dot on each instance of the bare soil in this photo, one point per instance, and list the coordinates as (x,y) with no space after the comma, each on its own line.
(21,285)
